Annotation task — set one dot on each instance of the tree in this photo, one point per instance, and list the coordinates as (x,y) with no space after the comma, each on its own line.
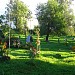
(19,13)
(1,18)
(68,14)
(51,17)
(3,24)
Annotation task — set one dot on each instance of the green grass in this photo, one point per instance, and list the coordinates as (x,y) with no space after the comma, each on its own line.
(55,59)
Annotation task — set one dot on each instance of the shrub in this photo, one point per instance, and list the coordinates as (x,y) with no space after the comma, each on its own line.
(73,48)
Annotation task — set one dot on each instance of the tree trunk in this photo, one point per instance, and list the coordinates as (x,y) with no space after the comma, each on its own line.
(47,36)
(48,31)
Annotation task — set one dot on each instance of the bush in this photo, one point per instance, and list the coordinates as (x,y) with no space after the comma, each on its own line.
(73,48)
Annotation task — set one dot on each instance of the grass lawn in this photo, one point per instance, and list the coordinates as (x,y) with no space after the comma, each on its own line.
(55,59)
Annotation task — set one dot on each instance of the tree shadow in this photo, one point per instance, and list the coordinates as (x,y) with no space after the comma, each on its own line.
(20,53)
(57,56)
(55,46)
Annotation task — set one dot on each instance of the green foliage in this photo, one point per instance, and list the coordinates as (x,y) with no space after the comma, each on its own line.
(3,50)
(70,30)
(1,35)
(5,29)
(53,17)
(19,13)
(1,18)
(3,25)
(36,28)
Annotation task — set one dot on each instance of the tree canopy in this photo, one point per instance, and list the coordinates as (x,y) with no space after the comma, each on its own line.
(19,13)
(54,16)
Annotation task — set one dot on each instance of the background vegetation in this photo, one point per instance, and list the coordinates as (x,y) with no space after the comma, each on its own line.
(57,30)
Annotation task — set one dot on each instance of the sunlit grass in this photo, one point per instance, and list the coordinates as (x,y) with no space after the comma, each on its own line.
(19,54)
(49,51)
(54,59)
(46,56)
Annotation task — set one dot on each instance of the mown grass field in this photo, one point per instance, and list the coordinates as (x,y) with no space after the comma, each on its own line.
(54,59)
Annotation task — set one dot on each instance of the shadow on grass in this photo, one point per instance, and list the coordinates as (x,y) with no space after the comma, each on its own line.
(20,54)
(55,46)
(57,56)
(34,67)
